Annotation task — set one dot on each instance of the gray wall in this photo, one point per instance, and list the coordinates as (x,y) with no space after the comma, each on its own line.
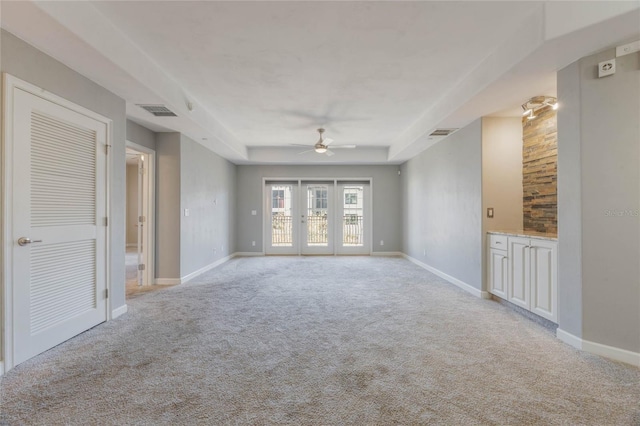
(168,206)
(207,183)
(27,63)
(189,176)
(132,205)
(569,202)
(386,196)
(442,206)
(502,172)
(140,135)
(608,144)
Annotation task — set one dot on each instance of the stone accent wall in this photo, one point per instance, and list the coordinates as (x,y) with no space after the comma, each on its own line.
(540,172)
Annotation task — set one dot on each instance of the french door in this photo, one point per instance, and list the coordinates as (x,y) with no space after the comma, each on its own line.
(353,218)
(282,220)
(317,218)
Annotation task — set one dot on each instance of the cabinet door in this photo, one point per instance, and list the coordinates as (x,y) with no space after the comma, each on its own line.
(519,292)
(544,279)
(498,273)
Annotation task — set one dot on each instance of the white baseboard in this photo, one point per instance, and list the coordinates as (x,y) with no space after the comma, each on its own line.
(569,338)
(452,280)
(387,253)
(167,281)
(248,253)
(611,352)
(209,267)
(119,311)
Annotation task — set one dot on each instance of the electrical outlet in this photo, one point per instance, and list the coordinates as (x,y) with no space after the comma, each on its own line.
(381,242)
(253,243)
(214,251)
(254,212)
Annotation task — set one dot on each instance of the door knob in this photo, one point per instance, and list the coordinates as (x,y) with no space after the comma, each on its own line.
(23,241)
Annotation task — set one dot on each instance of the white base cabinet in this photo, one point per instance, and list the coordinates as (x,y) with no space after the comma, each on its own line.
(525,273)
(498,266)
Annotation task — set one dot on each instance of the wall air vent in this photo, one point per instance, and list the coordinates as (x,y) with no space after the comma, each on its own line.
(442,132)
(158,110)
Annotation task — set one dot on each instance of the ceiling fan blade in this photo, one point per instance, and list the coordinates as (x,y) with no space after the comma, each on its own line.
(327,141)
(343,147)
(330,153)
(304,152)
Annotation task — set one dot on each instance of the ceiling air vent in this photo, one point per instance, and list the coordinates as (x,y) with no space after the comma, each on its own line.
(158,110)
(442,132)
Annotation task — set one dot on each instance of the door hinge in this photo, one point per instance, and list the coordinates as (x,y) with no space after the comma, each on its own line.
(141,267)
(106,293)
(143,171)
(141,219)
(106,148)
(106,221)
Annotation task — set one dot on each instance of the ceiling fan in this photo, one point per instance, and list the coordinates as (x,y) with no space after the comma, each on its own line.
(322,146)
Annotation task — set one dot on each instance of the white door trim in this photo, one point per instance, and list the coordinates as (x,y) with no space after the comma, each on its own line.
(10,85)
(151,218)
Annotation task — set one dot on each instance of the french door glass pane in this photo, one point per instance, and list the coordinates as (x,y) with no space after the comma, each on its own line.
(281,216)
(317,210)
(352,223)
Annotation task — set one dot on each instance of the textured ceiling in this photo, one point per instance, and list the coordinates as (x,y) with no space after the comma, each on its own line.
(264,75)
(273,72)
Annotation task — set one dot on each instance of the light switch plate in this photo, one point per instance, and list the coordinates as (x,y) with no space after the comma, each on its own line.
(254,212)
(186,212)
(490,212)
(607,68)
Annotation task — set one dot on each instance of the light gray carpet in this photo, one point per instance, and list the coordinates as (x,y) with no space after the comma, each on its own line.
(322,340)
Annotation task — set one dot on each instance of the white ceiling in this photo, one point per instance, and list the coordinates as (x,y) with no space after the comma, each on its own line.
(264,75)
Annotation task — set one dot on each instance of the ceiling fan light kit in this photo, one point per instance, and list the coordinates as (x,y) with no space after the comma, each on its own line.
(321,147)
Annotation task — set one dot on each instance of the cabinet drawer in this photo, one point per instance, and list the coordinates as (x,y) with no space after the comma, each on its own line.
(498,242)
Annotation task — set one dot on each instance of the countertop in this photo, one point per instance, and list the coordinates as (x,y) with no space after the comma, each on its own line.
(526,234)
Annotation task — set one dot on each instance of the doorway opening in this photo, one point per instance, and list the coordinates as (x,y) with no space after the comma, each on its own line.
(140,224)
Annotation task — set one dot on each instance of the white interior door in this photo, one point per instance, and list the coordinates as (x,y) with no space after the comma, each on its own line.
(281,225)
(317,218)
(353,218)
(58,229)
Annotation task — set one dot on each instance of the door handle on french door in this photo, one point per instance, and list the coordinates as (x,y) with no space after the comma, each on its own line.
(23,241)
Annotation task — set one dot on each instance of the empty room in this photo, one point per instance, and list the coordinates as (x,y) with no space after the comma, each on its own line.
(320,213)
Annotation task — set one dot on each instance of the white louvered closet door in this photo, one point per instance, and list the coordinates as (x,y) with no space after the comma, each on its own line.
(59,203)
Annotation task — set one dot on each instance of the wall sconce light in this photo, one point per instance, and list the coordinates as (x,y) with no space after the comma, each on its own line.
(530,107)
